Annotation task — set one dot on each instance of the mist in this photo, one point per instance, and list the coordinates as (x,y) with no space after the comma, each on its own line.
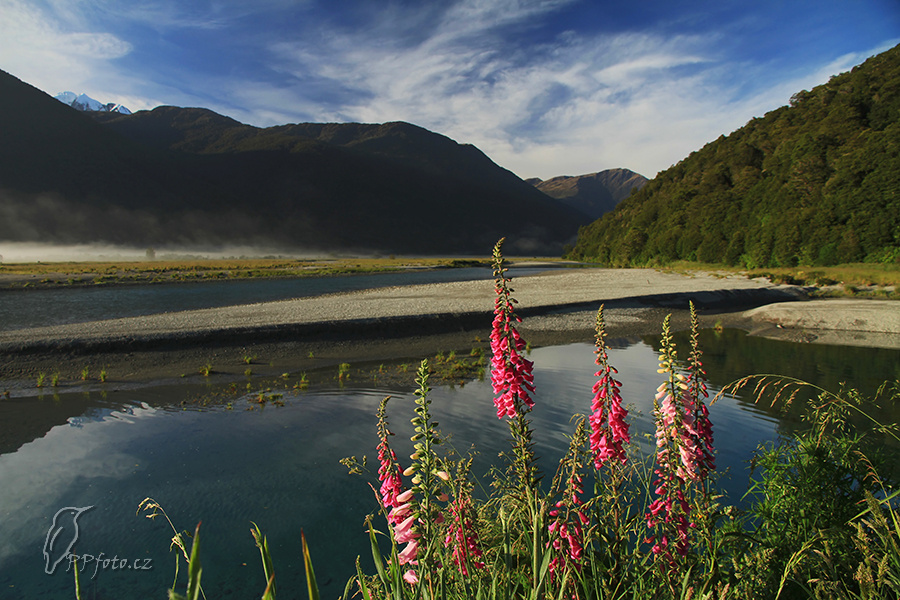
(31,252)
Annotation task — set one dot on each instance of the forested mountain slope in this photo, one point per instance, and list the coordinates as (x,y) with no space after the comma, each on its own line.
(813,183)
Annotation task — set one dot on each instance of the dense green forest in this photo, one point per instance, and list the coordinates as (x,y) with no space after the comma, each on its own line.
(813,183)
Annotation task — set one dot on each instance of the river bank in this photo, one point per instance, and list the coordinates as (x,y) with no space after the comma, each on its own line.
(413,322)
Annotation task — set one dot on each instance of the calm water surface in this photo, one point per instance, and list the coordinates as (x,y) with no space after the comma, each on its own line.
(278,466)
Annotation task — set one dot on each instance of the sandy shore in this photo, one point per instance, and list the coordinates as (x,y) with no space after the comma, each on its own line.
(411,322)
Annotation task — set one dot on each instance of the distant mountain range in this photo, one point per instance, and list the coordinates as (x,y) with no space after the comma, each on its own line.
(190,177)
(594,194)
(85,103)
(813,183)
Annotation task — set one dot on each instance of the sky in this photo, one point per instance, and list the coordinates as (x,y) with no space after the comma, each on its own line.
(543,87)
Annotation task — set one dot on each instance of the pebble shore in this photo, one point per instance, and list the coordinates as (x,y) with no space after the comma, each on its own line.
(557,306)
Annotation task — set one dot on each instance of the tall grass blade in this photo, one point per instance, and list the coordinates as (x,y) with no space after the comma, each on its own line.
(363,588)
(270,587)
(348,587)
(311,585)
(77,583)
(194,571)
(376,556)
(268,568)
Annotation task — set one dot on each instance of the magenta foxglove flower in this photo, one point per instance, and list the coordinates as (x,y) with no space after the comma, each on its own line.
(684,451)
(567,529)
(609,431)
(461,536)
(511,374)
(391,480)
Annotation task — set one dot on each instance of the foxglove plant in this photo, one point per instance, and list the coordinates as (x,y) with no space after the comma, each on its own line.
(462,536)
(609,431)
(669,513)
(684,440)
(512,378)
(511,374)
(568,517)
(389,471)
(698,425)
(399,503)
(428,477)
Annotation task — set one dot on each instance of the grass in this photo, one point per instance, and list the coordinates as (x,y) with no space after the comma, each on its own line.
(850,274)
(43,275)
(62,274)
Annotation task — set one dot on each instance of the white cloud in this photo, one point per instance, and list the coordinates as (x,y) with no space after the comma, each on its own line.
(102,46)
(472,70)
(579,104)
(566,107)
(36,47)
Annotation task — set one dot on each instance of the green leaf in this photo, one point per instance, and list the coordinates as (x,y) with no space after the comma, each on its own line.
(376,555)
(311,585)
(268,567)
(364,590)
(77,584)
(194,568)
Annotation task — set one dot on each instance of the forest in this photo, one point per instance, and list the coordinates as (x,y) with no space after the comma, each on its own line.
(813,183)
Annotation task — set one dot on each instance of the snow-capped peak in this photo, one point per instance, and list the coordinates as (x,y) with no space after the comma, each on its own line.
(117,108)
(66,97)
(86,103)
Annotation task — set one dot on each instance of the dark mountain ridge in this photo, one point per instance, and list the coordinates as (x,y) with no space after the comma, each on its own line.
(189,176)
(594,194)
(813,183)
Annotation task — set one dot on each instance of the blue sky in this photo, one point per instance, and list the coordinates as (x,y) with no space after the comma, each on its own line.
(545,88)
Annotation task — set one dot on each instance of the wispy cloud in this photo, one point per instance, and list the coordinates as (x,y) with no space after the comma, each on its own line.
(539,97)
(40,50)
(565,106)
(579,103)
(48,52)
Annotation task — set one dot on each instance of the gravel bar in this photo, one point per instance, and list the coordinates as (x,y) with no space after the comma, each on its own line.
(398,311)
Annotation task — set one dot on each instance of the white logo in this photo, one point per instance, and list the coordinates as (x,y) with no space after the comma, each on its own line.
(61,536)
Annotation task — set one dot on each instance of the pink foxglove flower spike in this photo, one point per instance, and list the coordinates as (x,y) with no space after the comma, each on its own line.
(609,431)
(511,374)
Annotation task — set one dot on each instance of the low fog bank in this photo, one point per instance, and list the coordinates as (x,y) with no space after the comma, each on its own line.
(32,252)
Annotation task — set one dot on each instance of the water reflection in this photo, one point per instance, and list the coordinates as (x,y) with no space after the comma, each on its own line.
(277,466)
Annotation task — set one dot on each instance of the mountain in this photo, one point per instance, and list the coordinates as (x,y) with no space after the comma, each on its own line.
(813,183)
(594,194)
(190,177)
(85,103)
